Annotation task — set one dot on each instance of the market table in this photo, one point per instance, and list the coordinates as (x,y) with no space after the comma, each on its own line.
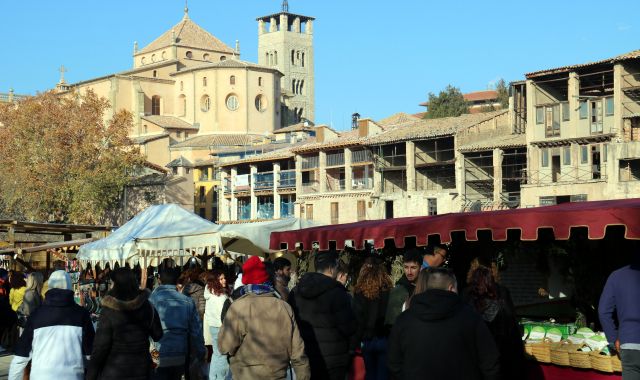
(539,371)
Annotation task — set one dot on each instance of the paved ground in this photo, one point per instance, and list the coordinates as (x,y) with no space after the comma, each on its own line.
(5,360)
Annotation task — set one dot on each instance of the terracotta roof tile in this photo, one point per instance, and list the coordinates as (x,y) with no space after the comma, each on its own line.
(429,128)
(397,120)
(189,34)
(300,127)
(480,95)
(227,63)
(630,55)
(180,162)
(218,140)
(168,122)
(505,141)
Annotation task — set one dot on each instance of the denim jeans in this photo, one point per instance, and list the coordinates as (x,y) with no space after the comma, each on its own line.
(630,364)
(219,367)
(374,353)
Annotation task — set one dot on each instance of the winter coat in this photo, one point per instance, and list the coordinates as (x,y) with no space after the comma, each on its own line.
(16,296)
(261,336)
(30,302)
(397,297)
(323,311)
(442,337)
(121,347)
(57,338)
(180,325)
(370,316)
(195,290)
(282,287)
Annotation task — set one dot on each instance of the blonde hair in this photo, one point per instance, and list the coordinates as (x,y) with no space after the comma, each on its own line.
(35,281)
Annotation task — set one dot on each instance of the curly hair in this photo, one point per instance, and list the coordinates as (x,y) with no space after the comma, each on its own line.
(372,280)
(213,282)
(483,287)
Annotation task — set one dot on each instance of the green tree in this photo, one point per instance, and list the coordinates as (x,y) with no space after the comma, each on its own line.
(448,102)
(503,93)
(61,158)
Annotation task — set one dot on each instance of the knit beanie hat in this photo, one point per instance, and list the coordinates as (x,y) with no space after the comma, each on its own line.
(60,280)
(254,271)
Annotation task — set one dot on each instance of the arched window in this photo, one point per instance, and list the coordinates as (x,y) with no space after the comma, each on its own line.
(189,54)
(164,55)
(155,105)
(232,80)
(204,81)
(153,57)
(205,57)
(259,81)
(223,58)
(267,59)
(143,60)
(300,87)
(145,129)
(270,59)
(303,59)
(298,56)
(300,111)
(182,105)
(181,86)
(232,102)
(293,86)
(275,57)
(293,56)
(261,103)
(205,103)
(155,73)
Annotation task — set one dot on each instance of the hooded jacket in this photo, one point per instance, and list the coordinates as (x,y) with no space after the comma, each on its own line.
(261,337)
(121,347)
(195,290)
(57,339)
(442,337)
(323,311)
(397,297)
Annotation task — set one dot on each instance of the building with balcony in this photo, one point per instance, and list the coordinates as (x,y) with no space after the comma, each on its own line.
(582,139)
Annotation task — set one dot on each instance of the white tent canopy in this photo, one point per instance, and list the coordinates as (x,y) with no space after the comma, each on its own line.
(159,232)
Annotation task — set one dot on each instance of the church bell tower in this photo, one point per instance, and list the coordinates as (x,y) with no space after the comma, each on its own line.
(285,42)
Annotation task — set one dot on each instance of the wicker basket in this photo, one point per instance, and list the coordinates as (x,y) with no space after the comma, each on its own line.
(560,352)
(541,352)
(616,364)
(600,362)
(579,359)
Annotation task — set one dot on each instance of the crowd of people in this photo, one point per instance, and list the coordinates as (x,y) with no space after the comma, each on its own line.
(196,324)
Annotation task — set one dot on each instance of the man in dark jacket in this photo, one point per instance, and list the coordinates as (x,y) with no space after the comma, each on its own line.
(323,311)
(282,269)
(411,262)
(461,346)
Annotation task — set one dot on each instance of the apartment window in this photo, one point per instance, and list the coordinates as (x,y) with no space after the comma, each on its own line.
(203,194)
(605,151)
(608,105)
(232,80)
(566,114)
(596,116)
(630,170)
(539,115)
(545,157)
(552,121)
(309,212)
(567,155)
(155,105)
(584,111)
(334,213)
(584,154)
(432,206)
(362,211)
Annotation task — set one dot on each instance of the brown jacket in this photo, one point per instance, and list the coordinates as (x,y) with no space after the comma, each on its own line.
(261,337)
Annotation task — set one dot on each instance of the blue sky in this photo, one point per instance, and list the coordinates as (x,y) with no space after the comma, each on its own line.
(374,57)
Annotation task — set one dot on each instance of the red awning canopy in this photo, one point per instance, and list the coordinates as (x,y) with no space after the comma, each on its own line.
(596,216)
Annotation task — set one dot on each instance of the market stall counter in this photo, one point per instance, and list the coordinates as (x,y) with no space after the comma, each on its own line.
(540,371)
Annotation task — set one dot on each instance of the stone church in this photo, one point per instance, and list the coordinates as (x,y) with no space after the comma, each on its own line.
(189,92)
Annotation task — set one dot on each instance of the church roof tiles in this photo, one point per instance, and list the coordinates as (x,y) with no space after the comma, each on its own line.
(187,33)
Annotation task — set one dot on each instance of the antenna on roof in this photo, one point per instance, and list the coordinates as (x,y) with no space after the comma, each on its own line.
(285,6)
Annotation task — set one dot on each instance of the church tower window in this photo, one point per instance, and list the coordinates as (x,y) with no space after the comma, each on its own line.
(155,105)
(155,73)
(259,81)
(232,80)
(189,54)
(275,57)
(204,81)
(205,103)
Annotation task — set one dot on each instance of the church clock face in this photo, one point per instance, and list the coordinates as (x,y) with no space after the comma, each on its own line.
(232,102)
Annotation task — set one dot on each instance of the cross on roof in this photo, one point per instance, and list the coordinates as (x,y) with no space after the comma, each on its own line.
(62,70)
(285,6)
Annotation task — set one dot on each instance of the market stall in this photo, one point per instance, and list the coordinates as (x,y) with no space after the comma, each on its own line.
(581,232)
(159,232)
